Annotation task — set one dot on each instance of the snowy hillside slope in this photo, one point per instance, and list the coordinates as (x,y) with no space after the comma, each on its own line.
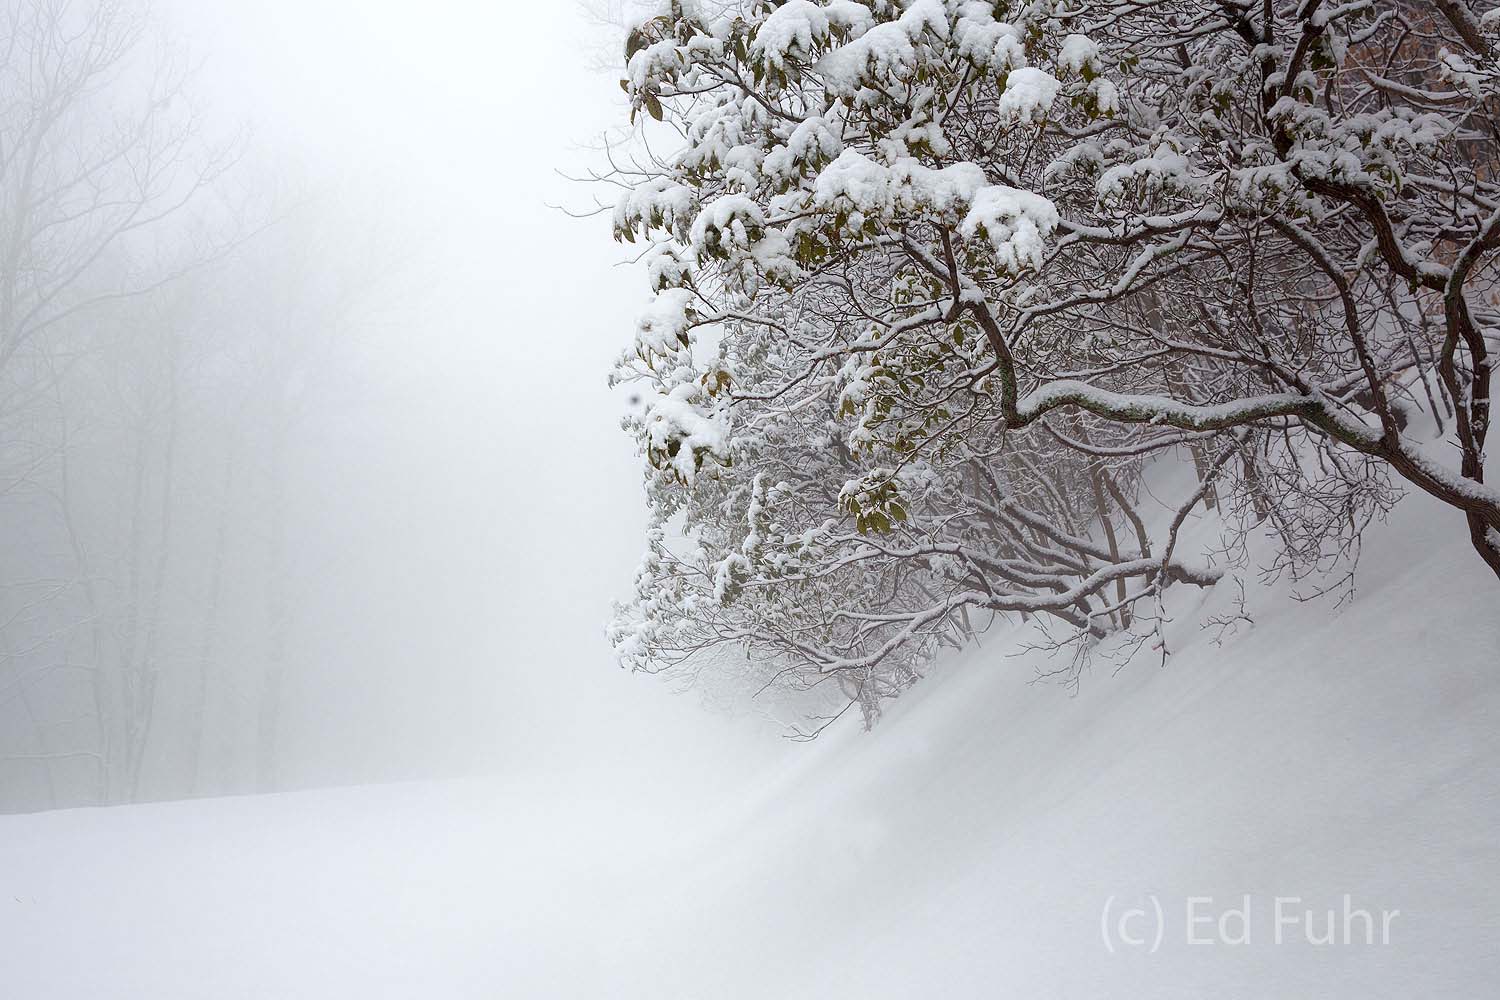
(966,848)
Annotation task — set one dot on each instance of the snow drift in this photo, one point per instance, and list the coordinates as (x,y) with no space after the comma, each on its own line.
(986,840)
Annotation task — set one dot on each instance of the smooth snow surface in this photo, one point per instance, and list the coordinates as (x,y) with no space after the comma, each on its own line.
(966,848)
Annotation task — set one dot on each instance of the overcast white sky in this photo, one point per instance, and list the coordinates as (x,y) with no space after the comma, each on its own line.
(491,503)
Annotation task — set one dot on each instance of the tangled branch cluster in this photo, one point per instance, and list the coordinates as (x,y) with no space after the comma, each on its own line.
(935,279)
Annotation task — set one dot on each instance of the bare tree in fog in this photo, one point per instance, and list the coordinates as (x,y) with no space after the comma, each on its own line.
(101,153)
(161,345)
(304,308)
(100,156)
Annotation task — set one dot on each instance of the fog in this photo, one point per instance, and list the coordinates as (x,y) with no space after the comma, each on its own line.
(371,529)
(1017,398)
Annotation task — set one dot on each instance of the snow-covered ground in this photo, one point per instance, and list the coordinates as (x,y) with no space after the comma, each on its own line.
(991,838)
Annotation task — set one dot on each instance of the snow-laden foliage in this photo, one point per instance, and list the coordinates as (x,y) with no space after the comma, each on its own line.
(933,276)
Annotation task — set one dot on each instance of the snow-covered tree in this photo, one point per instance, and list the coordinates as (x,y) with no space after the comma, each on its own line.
(933,277)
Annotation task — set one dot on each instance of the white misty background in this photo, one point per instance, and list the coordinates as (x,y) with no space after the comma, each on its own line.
(350,496)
